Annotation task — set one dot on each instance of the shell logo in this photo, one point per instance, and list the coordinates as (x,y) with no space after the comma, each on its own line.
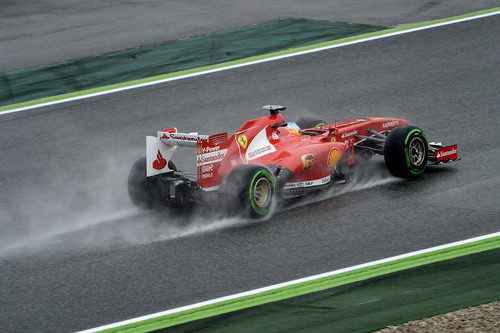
(333,157)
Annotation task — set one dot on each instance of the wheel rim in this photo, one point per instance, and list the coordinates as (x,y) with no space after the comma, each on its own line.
(262,192)
(416,151)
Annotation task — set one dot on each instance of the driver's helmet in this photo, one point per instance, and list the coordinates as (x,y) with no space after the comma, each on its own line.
(293,128)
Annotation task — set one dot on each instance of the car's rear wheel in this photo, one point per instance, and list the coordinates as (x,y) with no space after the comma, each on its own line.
(139,189)
(406,151)
(251,189)
(310,122)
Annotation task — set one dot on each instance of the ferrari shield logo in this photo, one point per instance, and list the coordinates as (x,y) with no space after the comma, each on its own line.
(307,161)
(242,140)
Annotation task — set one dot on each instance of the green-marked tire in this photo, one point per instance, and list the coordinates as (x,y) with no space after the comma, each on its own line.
(406,151)
(310,122)
(252,189)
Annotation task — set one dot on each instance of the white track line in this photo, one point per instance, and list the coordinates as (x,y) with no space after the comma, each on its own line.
(249,63)
(284,284)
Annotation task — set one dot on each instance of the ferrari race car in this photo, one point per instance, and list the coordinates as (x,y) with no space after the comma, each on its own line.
(268,159)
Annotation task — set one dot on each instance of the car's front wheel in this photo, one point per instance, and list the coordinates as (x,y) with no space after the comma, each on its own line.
(406,151)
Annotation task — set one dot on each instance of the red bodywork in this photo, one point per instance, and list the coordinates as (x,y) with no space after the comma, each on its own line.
(311,158)
(446,154)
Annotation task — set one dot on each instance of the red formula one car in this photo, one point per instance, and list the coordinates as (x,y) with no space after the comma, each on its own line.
(268,158)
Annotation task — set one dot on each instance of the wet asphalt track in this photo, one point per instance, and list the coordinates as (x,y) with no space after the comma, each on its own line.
(48,31)
(64,169)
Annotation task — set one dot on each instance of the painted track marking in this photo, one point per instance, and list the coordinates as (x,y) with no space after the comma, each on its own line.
(308,279)
(8,109)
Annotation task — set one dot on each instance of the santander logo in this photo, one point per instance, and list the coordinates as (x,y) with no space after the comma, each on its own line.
(446,153)
(160,162)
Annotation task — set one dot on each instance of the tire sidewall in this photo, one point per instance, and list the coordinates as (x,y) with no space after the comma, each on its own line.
(416,133)
(257,211)
(138,185)
(239,189)
(397,155)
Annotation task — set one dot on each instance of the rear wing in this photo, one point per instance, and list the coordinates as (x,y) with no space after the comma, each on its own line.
(210,151)
(172,138)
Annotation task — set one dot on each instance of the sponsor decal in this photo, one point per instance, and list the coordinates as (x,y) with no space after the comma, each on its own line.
(306,138)
(307,161)
(160,162)
(259,146)
(345,135)
(261,151)
(390,124)
(211,157)
(157,156)
(349,142)
(310,183)
(243,141)
(172,136)
(275,135)
(207,175)
(333,139)
(211,152)
(209,149)
(446,153)
(333,157)
(207,168)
